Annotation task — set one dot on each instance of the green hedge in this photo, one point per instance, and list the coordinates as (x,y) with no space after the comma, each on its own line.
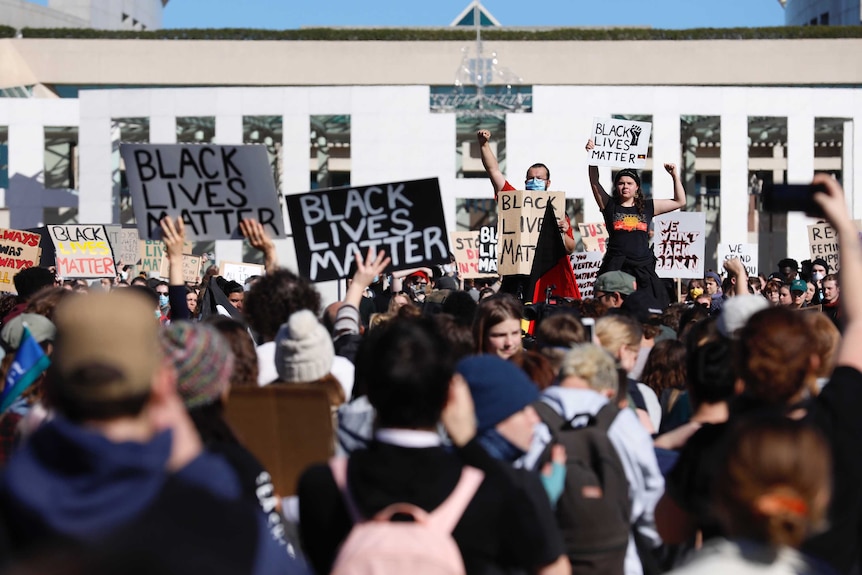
(452,34)
(7,32)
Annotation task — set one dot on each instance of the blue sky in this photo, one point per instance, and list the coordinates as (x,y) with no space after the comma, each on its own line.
(285,14)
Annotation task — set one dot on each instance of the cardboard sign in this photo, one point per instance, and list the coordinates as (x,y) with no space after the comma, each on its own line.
(210,187)
(680,241)
(403,218)
(151,253)
(82,251)
(465,247)
(746,253)
(619,143)
(519,220)
(240,271)
(586,266)
(19,250)
(823,244)
(595,237)
(191,268)
(124,242)
(488,250)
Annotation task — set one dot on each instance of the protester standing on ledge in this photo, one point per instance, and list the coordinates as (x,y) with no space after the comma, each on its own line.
(628,217)
(538,178)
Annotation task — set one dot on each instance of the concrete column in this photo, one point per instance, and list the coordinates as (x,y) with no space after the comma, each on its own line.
(733,220)
(26,170)
(800,170)
(666,149)
(850,154)
(228,130)
(163,129)
(98,200)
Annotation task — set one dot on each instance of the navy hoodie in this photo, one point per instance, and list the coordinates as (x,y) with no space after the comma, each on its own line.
(71,483)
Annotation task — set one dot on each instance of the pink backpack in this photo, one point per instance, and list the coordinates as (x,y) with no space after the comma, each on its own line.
(380,546)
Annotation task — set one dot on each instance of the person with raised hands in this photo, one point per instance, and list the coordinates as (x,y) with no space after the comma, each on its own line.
(773,362)
(257,237)
(174,238)
(356,417)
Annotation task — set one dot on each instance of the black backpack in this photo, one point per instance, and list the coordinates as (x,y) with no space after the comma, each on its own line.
(594,511)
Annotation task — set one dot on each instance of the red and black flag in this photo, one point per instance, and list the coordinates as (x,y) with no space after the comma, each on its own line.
(551,265)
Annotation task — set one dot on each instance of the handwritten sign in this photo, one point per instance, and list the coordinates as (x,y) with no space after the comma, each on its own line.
(619,143)
(488,250)
(210,187)
(191,268)
(519,220)
(586,266)
(680,240)
(594,236)
(403,218)
(465,248)
(823,244)
(746,253)
(151,253)
(19,250)
(124,243)
(240,271)
(82,251)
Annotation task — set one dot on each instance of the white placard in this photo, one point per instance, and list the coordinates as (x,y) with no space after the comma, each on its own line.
(619,143)
(747,254)
(240,271)
(680,241)
(586,265)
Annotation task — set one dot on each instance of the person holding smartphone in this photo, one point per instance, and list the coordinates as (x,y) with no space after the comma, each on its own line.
(628,216)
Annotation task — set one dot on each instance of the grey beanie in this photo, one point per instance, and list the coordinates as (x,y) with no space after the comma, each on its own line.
(303,349)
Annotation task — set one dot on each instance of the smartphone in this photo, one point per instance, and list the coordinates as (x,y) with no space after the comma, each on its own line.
(589,327)
(782,198)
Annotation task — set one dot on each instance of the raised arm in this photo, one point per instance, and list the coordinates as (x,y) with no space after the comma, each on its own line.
(174,238)
(489,160)
(366,268)
(601,196)
(678,201)
(258,238)
(737,272)
(850,256)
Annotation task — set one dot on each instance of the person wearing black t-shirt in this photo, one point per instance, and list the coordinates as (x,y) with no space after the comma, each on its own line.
(628,217)
(775,360)
(408,370)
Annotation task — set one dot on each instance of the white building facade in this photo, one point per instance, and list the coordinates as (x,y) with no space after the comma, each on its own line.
(395,135)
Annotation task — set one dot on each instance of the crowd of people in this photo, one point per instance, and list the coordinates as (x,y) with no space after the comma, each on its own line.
(473,434)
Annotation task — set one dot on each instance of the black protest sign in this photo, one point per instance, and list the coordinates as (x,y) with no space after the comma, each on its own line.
(488,249)
(403,218)
(210,187)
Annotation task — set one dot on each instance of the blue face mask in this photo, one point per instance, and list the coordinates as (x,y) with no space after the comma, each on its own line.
(536,184)
(163,300)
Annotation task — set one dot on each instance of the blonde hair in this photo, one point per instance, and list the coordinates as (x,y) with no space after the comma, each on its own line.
(618,331)
(592,364)
(824,337)
(774,487)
